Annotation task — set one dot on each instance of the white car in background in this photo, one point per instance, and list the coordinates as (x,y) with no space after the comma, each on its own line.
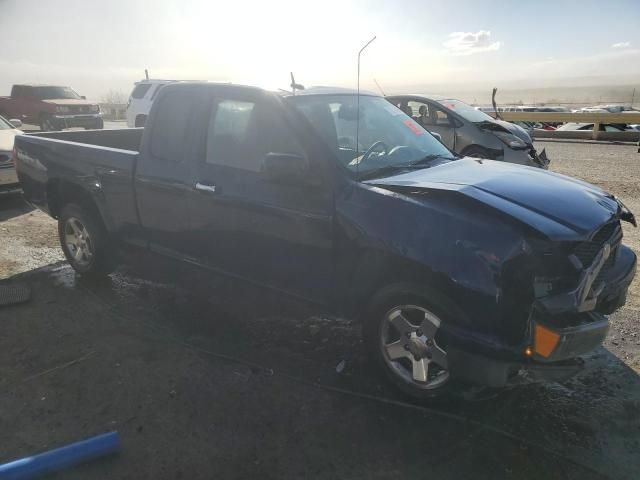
(8,177)
(141,99)
(604,127)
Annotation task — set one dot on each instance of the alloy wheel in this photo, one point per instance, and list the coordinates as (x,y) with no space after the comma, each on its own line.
(78,241)
(408,341)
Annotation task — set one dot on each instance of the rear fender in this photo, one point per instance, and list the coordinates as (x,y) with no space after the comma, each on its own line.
(87,194)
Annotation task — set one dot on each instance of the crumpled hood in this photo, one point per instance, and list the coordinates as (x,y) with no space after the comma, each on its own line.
(560,207)
(516,130)
(69,101)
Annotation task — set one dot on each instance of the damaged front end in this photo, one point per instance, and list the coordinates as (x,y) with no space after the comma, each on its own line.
(574,287)
(571,322)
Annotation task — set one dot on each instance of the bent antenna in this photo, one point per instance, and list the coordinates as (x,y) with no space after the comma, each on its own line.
(295,86)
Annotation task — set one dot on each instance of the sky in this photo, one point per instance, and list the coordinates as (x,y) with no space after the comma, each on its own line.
(96,46)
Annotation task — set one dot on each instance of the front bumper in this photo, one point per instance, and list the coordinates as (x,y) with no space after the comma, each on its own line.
(605,295)
(582,335)
(528,157)
(73,121)
(490,372)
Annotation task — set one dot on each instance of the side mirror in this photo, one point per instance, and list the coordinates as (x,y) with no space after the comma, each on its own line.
(15,122)
(437,135)
(284,166)
(83,97)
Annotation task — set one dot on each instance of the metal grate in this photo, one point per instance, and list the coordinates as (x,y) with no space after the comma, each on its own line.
(14,293)
(587,251)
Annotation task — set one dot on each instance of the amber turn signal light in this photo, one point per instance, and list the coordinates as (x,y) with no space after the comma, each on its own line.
(528,351)
(545,340)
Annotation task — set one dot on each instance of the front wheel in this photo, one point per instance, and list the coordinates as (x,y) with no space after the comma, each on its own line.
(404,339)
(84,241)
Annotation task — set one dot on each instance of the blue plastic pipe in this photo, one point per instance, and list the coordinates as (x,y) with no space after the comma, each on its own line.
(60,458)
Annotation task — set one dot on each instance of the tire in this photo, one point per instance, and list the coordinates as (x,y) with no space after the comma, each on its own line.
(46,124)
(404,322)
(85,242)
(476,152)
(140,121)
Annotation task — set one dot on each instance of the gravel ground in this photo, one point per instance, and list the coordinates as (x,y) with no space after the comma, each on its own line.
(141,355)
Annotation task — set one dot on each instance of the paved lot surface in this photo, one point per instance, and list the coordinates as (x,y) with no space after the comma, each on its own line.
(232,382)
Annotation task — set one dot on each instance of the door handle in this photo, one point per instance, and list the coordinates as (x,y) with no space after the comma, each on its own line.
(205,188)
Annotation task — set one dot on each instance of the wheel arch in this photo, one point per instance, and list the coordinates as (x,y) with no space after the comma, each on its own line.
(378,275)
(63,192)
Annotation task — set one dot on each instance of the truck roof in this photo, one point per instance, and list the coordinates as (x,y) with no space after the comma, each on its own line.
(423,95)
(284,93)
(38,85)
(328,91)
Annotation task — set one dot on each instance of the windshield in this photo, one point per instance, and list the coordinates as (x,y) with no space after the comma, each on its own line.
(50,93)
(465,111)
(387,138)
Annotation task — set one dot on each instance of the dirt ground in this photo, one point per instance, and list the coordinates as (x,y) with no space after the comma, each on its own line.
(236,383)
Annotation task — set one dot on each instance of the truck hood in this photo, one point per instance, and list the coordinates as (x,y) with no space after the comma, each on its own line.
(557,206)
(7,137)
(69,101)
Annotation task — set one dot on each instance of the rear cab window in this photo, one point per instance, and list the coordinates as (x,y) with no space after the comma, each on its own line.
(172,124)
(140,90)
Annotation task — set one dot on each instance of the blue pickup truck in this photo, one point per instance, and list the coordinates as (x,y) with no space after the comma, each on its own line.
(460,269)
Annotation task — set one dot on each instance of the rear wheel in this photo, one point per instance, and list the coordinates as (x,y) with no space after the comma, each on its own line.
(404,339)
(84,241)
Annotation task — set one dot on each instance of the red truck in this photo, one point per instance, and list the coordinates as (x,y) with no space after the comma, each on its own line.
(52,107)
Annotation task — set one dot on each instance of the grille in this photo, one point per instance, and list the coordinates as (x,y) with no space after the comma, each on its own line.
(587,251)
(79,109)
(605,268)
(4,158)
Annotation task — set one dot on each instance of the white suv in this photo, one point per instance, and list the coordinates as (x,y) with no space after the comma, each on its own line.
(141,99)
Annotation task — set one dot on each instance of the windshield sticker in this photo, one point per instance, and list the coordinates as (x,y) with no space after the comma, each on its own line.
(414,127)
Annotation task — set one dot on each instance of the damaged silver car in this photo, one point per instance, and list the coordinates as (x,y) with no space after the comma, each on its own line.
(470,132)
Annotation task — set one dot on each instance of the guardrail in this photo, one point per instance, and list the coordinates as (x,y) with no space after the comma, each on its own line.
(562,117)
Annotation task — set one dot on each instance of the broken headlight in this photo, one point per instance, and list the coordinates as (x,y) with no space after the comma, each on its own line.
(510,140)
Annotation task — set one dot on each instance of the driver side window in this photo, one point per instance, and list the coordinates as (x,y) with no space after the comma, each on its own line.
(428,115)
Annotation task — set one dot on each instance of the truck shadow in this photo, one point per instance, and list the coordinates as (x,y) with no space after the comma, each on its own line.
(591,421)
(12,205)
(593,418)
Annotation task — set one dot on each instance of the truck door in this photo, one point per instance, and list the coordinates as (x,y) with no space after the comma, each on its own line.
(438,121)
(164,175)
(274,232)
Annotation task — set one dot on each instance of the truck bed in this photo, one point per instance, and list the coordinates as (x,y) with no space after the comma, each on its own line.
(51,165)
(122,139)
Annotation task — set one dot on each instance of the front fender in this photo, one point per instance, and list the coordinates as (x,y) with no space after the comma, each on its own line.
(455,246)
